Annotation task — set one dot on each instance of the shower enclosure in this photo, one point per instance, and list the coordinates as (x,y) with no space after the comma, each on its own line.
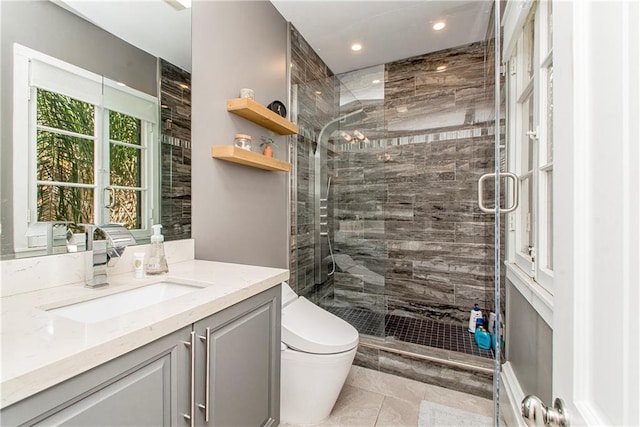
(386,232)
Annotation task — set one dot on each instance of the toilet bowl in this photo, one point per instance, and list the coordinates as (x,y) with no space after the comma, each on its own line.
(317,350)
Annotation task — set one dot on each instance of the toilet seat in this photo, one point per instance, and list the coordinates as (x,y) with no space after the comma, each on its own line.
(308,328)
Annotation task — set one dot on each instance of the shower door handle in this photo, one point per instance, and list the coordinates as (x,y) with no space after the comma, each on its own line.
(516,192)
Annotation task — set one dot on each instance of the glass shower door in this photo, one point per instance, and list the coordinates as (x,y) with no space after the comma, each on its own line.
(339,218)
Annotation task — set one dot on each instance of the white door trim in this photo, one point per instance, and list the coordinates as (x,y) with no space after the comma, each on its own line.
(596,331)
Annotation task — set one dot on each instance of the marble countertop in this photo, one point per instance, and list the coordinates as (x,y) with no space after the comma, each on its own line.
(41,349)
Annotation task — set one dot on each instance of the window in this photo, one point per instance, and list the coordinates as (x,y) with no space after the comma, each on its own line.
(85,147)
(530,143)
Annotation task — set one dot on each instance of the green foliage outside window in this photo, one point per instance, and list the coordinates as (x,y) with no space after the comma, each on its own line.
(71,159)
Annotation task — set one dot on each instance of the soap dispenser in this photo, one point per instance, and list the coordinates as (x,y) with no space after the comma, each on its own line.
(157,263)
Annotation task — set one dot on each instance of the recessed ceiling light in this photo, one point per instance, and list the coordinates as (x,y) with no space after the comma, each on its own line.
(441,68)
(376,81)
(439,25)
(356,47)
(318,92)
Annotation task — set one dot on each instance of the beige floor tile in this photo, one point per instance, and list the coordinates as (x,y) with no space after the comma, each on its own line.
(456,399)
(398,413)
(388,385)
(352,373)
(372,398)
(355,407)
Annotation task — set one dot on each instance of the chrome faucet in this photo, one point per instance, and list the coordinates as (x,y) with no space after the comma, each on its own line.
(108,243)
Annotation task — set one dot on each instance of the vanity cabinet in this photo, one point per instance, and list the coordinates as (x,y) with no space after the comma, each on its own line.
(241,381)
(232,378)
(140,388)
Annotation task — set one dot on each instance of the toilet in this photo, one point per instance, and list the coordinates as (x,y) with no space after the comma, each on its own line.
(317,350)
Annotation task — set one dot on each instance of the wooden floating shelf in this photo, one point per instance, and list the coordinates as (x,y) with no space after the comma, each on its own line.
(231,153)
(259,114)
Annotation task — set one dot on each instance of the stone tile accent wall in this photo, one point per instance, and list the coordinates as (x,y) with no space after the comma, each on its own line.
(316,91)
(175,139)
(406,201)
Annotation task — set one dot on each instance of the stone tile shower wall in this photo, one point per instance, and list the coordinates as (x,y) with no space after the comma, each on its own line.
(316,92)
(175,138)
(406,202)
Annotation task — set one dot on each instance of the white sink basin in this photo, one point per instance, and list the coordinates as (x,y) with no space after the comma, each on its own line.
(107,307)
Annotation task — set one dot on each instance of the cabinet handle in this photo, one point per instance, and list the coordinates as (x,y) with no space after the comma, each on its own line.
(207,371)
(192,345)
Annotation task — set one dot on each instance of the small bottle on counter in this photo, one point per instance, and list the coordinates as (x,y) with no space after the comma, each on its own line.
(138,264)
(243,141)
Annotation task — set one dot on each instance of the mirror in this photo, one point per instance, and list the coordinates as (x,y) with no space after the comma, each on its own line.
(143,46)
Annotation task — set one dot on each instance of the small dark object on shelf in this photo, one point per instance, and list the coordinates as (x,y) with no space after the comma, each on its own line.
(278,108)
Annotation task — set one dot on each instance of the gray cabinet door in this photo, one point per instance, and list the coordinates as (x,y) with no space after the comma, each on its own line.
(244,364)
(147,387)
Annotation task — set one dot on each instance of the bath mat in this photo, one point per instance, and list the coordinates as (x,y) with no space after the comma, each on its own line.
(435,415)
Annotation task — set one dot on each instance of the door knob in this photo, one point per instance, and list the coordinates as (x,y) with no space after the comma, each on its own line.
(536,413)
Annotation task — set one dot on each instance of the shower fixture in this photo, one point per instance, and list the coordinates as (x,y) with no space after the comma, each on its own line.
(322,237)
(335,124)
(346,136)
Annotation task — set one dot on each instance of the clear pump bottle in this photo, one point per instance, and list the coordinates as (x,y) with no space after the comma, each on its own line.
(157,263)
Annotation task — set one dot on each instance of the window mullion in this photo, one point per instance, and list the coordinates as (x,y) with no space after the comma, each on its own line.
(33,157)
(101,165)
(146,177)
(536,94)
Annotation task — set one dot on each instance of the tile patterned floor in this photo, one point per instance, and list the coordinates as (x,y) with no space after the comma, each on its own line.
(375,399)
(426,332)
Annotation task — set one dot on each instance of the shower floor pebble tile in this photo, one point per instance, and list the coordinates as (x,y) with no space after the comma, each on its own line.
(376,399)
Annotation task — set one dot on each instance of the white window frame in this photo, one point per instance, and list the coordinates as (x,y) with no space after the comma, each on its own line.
(529,274)
(106,95)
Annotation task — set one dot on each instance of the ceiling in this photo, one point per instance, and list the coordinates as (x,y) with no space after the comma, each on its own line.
(151,25)
(387,30)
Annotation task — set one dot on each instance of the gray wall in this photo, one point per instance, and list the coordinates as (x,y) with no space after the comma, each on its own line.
(47,28)
(239,213)
(529,344)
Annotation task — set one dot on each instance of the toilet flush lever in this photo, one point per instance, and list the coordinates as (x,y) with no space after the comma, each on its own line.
(207,371)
